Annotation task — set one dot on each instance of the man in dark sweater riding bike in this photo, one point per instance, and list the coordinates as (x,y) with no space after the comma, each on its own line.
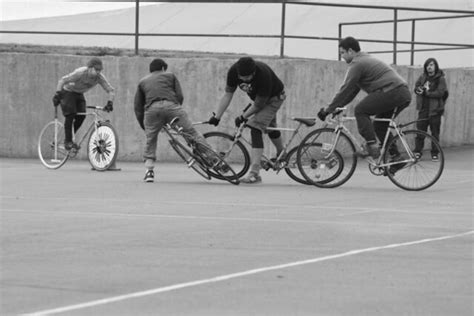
(385,88)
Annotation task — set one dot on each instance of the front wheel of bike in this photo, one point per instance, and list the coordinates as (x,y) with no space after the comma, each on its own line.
(234,153)
(217,167)
(291,167)
(407,171)
(190,159)
(102,146)
(51,149)
(326,158)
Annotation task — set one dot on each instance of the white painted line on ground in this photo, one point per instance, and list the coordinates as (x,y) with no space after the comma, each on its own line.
(238,275)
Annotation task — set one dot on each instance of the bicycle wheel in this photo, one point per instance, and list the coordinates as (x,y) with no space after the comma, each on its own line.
(51,149)
(321,169)
(102,146)
(190,159)
(235,154)
(320,166)
(410,173)
(291,168)
(217,167)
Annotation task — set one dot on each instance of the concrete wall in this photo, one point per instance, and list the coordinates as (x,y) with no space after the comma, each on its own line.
(28,82)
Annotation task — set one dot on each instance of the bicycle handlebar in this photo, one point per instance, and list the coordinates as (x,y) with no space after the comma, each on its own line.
(95,107)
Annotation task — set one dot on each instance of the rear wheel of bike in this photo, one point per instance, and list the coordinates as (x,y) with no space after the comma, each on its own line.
(190,159)
(323,165)
(51,149)
(410,173)
(102,146)
(234,154)
(291,168)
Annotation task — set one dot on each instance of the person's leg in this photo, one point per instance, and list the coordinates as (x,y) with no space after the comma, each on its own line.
(435,126)
(422,125)
(68,130)
(275,138)
(153,122)
(68,107)
(381,104)
(80,108)
(258,124)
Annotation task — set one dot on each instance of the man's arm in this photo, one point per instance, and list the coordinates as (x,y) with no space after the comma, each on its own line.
(224,103)
(348,90)
(139,107)
(107,87)
(179,91)
(438,93)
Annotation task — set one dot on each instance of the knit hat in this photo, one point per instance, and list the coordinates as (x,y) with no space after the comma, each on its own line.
(158,64)
(96,63)
(246,66)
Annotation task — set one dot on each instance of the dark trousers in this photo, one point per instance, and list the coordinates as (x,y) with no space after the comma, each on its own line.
(71,104)
(425,121)
(381,104)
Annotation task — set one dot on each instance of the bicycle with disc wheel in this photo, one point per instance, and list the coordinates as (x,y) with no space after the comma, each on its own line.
(398,159)
(102,142)
(198,156)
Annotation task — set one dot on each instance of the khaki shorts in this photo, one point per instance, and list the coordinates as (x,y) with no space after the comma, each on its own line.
(266,117)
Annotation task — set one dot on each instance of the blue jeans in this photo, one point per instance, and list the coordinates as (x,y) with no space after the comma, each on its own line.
(156,116)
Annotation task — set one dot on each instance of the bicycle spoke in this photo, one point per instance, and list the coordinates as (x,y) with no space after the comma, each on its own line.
(418,174)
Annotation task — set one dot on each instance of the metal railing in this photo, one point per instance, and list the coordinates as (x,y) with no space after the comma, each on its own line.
(283,36)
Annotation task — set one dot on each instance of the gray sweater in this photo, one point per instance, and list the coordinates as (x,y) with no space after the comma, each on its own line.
(368,74)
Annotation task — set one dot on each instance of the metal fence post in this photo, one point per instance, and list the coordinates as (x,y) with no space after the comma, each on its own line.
(395,24)
(137,24)
(412,53)
(282,35)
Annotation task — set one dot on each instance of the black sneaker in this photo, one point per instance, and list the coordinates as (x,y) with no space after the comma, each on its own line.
(394,168)
(149,176)
(434,157)
(70,145)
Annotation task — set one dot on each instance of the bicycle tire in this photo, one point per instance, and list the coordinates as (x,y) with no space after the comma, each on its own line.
(190,159)
(235,154)
(217,167)
(419,174)
(291,167)
(51,149)
(315,146)
(321,169)
(102,146)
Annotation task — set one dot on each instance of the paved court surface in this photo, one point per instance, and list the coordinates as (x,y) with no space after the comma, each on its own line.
(79,242)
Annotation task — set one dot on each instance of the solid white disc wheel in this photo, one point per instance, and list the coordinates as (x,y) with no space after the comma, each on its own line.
(103,146)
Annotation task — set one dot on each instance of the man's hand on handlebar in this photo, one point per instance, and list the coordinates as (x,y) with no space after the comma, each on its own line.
(109,107)
(322,114)
(214,120)
(239,120)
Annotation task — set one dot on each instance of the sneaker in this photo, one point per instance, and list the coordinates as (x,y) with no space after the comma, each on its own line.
(394,168)
(417,155)
(434,157)
(371,150)
(70,145)
(252,178)
(149,176)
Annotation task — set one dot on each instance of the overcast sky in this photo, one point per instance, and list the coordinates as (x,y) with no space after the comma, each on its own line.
(27,9)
